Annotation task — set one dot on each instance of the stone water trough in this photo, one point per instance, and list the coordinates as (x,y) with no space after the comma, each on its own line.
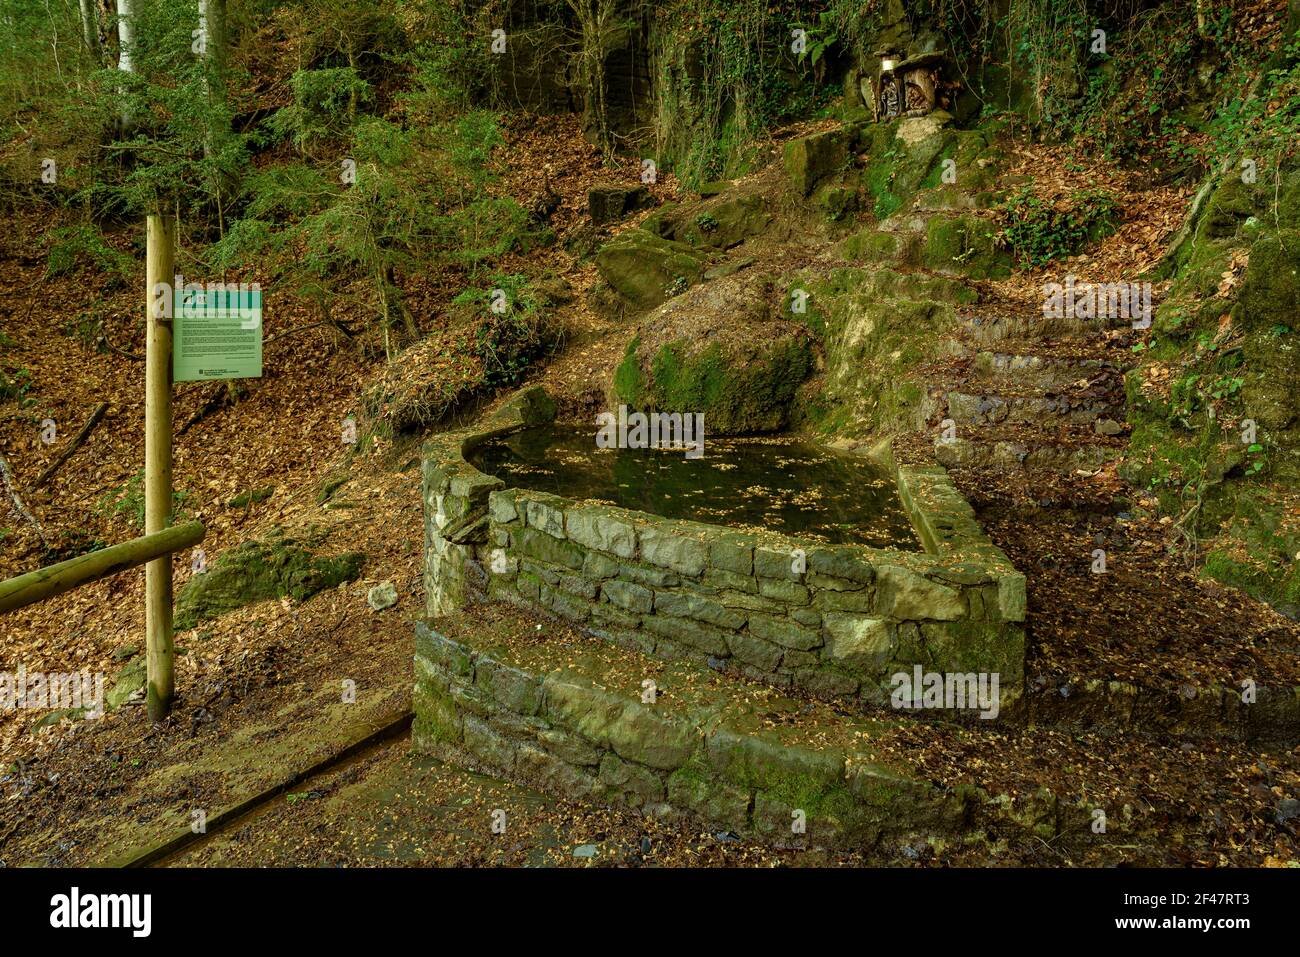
(701,671)
(832,621)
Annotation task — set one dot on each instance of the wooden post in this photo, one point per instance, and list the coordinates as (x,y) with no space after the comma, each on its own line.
(161,234)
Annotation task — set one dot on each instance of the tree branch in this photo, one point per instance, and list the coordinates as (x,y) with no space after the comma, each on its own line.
(72,446)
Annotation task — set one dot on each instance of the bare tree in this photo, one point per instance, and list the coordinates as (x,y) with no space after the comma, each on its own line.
(597,22)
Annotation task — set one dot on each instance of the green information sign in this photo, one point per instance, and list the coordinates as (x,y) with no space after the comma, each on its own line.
(217,333)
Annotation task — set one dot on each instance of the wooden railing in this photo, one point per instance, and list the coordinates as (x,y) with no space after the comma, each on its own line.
(56,579)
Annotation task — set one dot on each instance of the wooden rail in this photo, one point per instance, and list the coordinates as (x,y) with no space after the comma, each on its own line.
(56,579)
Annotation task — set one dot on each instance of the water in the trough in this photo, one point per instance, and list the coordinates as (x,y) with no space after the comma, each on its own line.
(780,484)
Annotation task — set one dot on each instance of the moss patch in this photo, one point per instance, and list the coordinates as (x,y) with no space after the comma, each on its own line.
(966,245)
(737,394)
(256,571)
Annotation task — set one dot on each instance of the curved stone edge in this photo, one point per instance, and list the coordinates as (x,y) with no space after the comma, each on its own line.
(455,494)
(565,734)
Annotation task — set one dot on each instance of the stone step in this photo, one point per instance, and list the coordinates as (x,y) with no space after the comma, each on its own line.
(1037,367)
(501,690)
(1047,410)
(1039,487)
(1090,705)
(1066,449)
(986,328)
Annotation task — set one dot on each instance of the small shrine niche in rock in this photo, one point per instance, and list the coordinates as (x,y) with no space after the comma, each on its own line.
(907,87)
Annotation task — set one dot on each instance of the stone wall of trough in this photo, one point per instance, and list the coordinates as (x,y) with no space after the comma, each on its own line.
(830,620)
(564,733)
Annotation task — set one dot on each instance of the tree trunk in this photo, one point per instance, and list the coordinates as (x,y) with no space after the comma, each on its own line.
(212,15)
(90,30)
(125,45)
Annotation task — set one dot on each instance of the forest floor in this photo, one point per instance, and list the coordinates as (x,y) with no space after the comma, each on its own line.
(257,689)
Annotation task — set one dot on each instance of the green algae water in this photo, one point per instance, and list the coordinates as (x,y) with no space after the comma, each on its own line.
(778,484)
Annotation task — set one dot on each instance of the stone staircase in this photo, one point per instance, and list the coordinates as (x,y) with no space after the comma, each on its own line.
(1039,394)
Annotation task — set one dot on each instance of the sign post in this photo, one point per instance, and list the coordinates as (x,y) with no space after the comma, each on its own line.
(161,235)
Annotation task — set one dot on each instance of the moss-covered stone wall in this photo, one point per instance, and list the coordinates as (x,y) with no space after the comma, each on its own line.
(577,721)
(830,620)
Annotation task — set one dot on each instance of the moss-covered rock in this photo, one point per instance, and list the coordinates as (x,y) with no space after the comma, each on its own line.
(1230,205)
(900,157)
(1288,201)
(255,571)
(738,392)
(129,680)
(838,202)
(252,497)
(878,327)
(646,269)
(965,245)
(1257,542)
(811,159)
(871,245)
(720,223)
(608,204)
(1244,488)
(1271,292)
(719,351)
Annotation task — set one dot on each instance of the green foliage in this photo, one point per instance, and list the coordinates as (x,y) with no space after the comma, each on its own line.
(418,196)
(449,72)
(1268,124)
(726,72)
(820,39)
(1039,232)
(127,501)
(514,330)
(16,386)
(325,103)
(30,30)
(72,246)
(176,149)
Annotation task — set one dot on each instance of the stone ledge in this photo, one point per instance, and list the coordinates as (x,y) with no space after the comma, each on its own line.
(571,715)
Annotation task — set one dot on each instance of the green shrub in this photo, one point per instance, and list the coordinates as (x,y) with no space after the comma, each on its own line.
(1038,231)
(507,342)
(72,246)
(325,103)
